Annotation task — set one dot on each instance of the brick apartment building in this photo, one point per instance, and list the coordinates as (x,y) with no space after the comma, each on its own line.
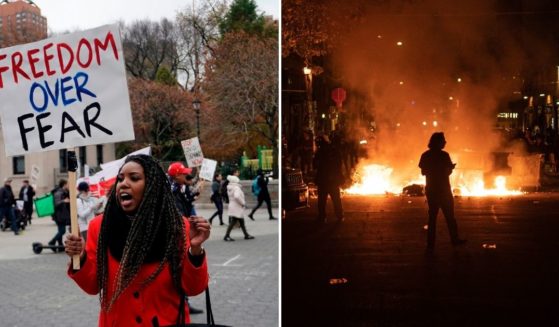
(21,22)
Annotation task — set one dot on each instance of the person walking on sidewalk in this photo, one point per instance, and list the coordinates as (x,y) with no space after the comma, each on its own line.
(87,207)
(436,165)
(216,199)
(236,208)
(7,203)
(141,255)
(61,212)
(26,194)
(260,189)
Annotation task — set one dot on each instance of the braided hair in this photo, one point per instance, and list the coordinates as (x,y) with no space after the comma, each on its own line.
(157,215)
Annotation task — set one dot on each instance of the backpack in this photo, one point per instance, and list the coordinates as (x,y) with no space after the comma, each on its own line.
(255,187)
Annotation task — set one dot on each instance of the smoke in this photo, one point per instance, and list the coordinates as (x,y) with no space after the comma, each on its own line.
(416,67)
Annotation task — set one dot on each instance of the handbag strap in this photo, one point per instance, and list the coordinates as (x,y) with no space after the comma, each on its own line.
(181,319)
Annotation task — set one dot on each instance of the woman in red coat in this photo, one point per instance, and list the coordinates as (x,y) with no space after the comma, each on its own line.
(139,257)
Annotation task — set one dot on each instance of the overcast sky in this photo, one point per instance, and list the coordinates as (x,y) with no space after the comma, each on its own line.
(65,15)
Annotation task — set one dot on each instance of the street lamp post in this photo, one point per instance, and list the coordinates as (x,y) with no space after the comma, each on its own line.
(196,105)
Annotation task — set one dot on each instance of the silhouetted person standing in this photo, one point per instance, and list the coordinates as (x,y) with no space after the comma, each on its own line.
(436,165)
(328,178)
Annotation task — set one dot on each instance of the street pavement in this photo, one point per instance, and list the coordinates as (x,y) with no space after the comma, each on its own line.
(372,269)
(35,291)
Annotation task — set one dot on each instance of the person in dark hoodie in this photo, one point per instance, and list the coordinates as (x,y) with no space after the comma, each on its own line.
(329,178)
(26,194)
(436,165)
(61,211)
(7,203)
(217,199)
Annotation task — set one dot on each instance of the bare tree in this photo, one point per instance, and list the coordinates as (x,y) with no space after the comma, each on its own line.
(198,35)
(150,45)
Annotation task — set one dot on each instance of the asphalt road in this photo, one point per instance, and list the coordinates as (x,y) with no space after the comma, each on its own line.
(382,276)
(35,291)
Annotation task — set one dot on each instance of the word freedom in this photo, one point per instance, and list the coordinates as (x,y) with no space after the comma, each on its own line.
(57,59)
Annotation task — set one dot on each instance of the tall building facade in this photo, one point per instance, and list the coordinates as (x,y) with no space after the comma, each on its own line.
(21,22)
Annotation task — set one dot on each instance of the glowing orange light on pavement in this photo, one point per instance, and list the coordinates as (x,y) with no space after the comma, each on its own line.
(375,179)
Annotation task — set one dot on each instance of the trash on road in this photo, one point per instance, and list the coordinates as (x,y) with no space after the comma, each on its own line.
(337,281)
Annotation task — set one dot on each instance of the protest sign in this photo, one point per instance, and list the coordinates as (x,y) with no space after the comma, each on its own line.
(192,152)
(208,169)
(65,92)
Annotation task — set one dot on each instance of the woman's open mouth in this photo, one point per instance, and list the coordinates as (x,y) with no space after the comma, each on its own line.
(125,199)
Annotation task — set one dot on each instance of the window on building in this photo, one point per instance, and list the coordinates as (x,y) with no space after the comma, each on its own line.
(83,159)
(19,165)
(99,154)
(63,160)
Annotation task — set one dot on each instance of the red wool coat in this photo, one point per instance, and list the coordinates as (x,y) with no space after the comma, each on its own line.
(135,307)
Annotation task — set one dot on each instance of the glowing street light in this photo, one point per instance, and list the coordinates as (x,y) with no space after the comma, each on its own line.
(459,80)
(399,43)
(307,70)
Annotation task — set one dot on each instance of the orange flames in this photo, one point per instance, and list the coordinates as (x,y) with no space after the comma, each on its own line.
(375,179)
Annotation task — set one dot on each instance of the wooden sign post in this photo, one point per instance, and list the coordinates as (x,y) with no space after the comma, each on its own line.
(74,227)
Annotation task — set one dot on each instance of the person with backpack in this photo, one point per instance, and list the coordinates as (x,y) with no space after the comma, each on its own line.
(260,190)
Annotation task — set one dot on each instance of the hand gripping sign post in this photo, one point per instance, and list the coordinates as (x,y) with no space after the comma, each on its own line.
(65,92)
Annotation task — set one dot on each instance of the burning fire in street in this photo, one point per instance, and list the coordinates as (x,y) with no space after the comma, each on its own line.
(375,179)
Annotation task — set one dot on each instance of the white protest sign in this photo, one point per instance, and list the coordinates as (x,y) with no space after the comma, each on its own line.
(192,152)
(35,173)
(65,92)
(208,169)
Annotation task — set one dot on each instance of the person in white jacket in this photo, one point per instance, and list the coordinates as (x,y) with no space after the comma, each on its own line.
(236,209)
(87,208)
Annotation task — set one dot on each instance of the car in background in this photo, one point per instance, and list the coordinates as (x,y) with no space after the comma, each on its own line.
(294,192)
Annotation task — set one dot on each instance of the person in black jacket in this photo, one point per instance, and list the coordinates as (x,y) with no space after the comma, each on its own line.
(216,199)
(26,194)
(61,212)
(263,195)
(7,203)
(329,178)
(178,174)
(179,177)
(436,165)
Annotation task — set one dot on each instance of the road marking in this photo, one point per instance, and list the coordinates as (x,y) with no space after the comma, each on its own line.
(227,263)
(494,214)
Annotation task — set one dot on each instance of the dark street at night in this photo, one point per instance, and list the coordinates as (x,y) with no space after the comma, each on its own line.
(372,269)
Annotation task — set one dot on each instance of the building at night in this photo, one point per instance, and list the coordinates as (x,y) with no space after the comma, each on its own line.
(21,22)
